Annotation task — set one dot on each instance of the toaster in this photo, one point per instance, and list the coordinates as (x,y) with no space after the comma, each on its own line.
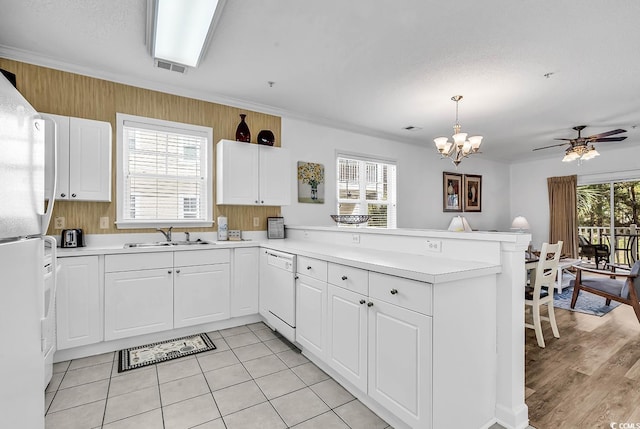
(72,238)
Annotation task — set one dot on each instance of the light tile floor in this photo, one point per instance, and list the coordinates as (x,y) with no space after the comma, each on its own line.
(252,380)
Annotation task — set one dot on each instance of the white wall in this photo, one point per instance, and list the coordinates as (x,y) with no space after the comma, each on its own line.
(419,178)
(529,196)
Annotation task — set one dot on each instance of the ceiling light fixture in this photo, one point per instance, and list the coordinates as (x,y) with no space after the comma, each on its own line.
(461,147)
(581,152)
(181,29)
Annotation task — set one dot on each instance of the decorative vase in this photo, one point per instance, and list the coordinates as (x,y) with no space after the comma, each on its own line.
(314,191)
(242,132)
(266,137)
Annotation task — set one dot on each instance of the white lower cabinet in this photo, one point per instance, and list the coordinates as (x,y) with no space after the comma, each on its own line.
(347,335)
(400,362)
(78,302)
(246,281)
(138,302)
(201,294)
(311,314)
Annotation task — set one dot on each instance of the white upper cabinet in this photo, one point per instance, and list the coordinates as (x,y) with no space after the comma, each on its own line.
(252,174)
(84,159)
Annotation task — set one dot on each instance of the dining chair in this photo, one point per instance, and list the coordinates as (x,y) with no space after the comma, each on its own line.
(541,291)
(607,285)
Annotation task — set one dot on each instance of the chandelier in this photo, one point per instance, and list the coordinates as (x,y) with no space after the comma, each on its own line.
(461,147)
(581,152)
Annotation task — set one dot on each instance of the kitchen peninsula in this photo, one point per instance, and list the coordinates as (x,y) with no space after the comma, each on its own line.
(454,296)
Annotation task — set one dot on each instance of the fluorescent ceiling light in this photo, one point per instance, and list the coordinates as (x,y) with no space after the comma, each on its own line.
(181,29)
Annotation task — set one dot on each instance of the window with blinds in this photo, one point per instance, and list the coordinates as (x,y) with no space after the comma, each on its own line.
(367,186)
(164,173)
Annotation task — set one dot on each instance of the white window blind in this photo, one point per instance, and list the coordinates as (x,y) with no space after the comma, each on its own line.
(164,173)
(367,186)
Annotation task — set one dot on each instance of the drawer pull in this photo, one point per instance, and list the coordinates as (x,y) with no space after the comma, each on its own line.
(169,272)
(178,271)
(394,291)
(362,301)
(370,304)
(309,267)
(344,277)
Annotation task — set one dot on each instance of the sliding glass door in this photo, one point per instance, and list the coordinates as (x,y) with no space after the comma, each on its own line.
(608,214)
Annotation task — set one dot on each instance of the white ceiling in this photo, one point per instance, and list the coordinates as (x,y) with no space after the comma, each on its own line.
(375,66)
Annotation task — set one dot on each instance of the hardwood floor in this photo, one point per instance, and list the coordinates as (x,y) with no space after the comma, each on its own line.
(587,378)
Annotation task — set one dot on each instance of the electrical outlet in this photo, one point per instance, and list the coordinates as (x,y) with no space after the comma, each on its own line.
(355,238)
(104,222)
(256,221)
(59,222)
(434,245)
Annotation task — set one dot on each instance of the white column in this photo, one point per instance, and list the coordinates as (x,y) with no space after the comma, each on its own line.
(511,410)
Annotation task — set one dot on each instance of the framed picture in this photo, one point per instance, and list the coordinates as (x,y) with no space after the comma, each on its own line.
(310,182)
(472,193)
(451,192)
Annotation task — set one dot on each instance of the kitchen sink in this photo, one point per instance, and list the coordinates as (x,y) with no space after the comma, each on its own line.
(168,243)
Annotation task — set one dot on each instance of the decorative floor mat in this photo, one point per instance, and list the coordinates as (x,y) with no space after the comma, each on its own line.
(138,357)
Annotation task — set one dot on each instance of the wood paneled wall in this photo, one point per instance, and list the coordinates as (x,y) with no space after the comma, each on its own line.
(62,93)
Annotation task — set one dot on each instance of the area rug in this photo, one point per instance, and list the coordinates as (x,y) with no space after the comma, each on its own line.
(138,357)
(587,303)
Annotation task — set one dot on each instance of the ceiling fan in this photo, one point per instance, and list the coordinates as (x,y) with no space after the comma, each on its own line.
(579,147)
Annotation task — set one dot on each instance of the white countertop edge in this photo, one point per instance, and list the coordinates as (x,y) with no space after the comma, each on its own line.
(408,265)
(395,263)
(502,236)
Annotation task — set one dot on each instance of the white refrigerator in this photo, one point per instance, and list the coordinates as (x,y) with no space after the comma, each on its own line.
(23,223)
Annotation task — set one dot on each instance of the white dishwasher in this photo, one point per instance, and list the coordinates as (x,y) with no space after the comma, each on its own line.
(278,291)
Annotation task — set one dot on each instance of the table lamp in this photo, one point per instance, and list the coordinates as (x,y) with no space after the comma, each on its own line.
(520,223)
(459,223)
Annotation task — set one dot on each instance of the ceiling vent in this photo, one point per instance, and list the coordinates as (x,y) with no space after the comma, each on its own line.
(166,65)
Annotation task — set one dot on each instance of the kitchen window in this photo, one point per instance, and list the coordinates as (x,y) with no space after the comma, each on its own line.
(164,173)
(367,187)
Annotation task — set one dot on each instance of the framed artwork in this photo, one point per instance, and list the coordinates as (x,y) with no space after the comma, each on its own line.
(310,182)
(472,193)
(451,192)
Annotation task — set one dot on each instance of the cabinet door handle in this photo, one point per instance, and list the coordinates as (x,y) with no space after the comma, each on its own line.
(261,202)
(394,291)
(296,277)
(169,272)
(73,195)
(362,301)
(369,304)
(63,195)
(177,271)
(256,201)
(344,277)
(309,267)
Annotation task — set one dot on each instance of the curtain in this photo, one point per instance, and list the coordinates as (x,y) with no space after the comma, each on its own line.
(563,213)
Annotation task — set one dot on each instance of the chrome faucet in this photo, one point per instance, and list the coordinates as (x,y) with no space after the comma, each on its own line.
(167,234)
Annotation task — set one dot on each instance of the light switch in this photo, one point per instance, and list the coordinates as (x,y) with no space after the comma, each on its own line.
(104,222)
(256,221)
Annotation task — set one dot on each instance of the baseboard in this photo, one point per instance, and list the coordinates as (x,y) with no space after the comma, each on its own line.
(123,343)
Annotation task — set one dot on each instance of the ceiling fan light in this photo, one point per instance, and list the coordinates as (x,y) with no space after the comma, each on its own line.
(570,156)
(475,141)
